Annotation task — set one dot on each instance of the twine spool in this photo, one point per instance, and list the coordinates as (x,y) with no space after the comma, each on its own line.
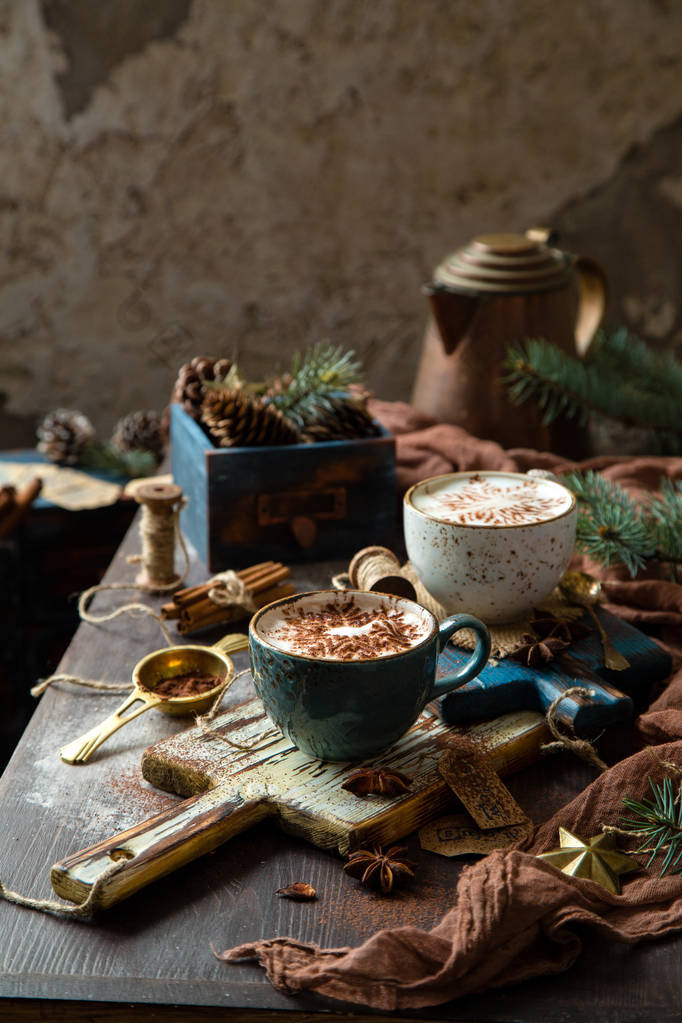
(161,503)
(378,570)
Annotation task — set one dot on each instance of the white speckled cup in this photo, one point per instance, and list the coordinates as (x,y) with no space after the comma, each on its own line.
(512,543)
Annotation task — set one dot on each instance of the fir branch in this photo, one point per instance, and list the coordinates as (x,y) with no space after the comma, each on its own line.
(612,529)
(621,379)
(321,370)
(558,383)
(622,352)
(658,821)
(319,379)
(100,457)
(664,521)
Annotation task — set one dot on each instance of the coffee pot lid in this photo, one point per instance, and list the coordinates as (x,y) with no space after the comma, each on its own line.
(505,263)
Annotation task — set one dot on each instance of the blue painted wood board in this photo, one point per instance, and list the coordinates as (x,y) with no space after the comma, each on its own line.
(508,685)
(242,500)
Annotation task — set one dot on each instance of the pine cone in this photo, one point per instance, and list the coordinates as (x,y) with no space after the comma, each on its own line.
(234,419)
(139,431)
(337,418)
(190,385)
(64,434)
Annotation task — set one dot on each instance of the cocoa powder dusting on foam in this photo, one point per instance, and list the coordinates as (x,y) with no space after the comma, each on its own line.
(313,633)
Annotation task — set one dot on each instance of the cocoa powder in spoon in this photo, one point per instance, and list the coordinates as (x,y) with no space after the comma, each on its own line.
(189,684)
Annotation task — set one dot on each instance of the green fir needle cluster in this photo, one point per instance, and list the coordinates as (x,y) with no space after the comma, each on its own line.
(321,372)
(658,822)
(612,529)
(317,395)
(621,379)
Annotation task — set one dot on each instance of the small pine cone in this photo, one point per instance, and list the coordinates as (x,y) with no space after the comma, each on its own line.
(234,419)
(139,431)
(334,418)
(190,388)
(64,434)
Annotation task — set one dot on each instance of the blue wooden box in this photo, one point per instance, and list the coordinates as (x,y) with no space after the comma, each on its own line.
(289,503)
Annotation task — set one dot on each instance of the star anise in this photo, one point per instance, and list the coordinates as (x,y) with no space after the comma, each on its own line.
(535,652)
(377,781)
(380,870)
(544,624)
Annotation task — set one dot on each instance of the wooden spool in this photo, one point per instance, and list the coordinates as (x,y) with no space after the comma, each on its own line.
(378,570)
(159,503)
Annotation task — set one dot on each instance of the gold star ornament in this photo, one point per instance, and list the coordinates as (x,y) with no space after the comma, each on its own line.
(595,858)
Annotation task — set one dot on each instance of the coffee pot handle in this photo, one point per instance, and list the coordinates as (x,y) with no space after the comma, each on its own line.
(591,302)
(476,662)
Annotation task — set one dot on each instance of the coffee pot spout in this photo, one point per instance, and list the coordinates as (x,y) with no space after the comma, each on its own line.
(453,312)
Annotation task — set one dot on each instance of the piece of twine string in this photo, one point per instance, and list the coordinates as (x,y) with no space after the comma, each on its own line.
(81,910)
(158,533)
(228,590)
(581,747)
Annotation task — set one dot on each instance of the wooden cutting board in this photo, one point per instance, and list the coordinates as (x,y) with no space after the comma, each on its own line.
(229,790)
(614,695)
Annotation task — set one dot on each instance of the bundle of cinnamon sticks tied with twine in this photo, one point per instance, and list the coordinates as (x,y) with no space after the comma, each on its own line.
(228,596)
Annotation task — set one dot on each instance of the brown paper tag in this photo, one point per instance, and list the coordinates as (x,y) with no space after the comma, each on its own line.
(469,773)
(459,835)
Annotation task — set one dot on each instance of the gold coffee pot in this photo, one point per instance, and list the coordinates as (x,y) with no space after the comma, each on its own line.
(497,290)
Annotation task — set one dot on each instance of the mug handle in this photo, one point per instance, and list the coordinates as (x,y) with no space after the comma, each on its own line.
(476,662)
(591,302)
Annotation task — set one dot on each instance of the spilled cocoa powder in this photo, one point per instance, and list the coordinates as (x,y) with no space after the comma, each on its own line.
(190,684)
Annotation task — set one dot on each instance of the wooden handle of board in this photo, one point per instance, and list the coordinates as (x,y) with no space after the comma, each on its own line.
(155,847)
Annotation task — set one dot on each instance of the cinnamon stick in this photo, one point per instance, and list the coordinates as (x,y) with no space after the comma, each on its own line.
(8,499)
(192,619)
(22,502)
(193,608)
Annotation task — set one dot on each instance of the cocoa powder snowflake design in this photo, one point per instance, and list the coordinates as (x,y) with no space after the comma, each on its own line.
(482,503)
(333,631)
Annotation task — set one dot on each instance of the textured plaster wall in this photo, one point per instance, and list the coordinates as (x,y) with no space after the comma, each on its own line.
(243,176)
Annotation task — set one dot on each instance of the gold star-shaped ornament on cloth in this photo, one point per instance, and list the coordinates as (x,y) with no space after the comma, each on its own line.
(595,858)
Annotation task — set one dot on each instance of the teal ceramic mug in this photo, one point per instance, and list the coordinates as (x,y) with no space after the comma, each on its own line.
(345,673)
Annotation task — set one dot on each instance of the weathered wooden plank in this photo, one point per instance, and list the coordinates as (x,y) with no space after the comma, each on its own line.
(154,950)
(236,788)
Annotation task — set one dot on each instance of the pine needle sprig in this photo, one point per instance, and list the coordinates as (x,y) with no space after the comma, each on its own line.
(658,821)
(622,352)
(610,528)
(321,370)
(621,379)
(559,384)
(664,521)
(102,457)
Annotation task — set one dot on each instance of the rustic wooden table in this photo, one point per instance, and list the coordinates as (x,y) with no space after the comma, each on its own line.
(150,957)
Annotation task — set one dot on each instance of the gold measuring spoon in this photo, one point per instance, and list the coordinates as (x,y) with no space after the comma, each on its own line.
(147,674)
(582,589)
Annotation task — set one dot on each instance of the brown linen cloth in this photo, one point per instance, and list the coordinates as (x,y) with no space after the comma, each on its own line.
(513,916)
